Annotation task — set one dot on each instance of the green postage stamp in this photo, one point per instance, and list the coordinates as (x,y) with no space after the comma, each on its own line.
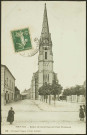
(21,39)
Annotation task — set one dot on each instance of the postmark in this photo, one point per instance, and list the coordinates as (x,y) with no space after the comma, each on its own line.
(33,51)
(21,39)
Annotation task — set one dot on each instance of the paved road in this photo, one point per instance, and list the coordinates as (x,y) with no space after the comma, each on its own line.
(36,113)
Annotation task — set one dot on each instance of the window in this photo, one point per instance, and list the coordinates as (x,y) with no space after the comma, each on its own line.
(7,81)
(5,96)
(48,77)
(45,55)
(12,96)
(13,85)
(10,83)
(8,96)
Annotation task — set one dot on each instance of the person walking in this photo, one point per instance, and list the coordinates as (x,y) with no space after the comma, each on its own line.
(10,117)
(81,113)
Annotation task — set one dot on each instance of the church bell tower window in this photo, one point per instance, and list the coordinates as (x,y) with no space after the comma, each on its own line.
(45,55)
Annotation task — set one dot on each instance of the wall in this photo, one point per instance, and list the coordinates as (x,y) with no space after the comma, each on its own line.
(75,98)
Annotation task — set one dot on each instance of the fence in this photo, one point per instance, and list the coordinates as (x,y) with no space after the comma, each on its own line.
(75,98)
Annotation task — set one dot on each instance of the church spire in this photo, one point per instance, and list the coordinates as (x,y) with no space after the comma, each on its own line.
(45,27)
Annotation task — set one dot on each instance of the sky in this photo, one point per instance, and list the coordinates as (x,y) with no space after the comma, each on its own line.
(67,25)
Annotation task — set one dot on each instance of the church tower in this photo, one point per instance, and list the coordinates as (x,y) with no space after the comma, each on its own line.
(45,73)
(45,58)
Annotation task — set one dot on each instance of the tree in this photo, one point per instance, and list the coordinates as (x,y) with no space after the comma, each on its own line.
(56,89)
(66,92)
(82,91)
(48,89)
(76,90)
(45,90)
(49,92)
(42,91)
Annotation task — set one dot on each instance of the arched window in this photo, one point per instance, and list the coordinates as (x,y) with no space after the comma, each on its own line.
(45,48)
(45,55)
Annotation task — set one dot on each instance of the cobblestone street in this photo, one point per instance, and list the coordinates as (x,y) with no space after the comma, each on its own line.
(34,116)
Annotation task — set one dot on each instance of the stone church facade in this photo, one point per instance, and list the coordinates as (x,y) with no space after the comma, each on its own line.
(45,73)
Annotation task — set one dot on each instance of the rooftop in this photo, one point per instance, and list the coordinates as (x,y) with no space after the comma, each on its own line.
(8,70)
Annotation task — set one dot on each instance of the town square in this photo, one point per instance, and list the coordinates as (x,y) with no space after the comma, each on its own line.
(34,113)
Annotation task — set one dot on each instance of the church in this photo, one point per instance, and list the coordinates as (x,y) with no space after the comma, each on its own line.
(45,73)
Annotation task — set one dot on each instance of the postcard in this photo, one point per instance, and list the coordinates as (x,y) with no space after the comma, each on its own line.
(43,67)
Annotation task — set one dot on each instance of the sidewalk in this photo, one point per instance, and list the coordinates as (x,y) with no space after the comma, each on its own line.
(60,106)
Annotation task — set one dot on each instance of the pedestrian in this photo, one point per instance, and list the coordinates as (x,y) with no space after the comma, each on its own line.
(81,113)
(10,117)
(84,108)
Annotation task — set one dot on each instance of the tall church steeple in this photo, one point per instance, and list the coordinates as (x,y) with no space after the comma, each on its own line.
(45,58)
(45,38)
(45,73)
(45,27)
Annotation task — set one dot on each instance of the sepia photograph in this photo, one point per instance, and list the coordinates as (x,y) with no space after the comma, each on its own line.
(43,67)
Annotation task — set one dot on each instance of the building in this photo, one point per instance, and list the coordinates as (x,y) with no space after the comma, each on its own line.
(29,93)
(7,85)
(45,73)
(34,86)
(26,94)
(84,84)
(17,95)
